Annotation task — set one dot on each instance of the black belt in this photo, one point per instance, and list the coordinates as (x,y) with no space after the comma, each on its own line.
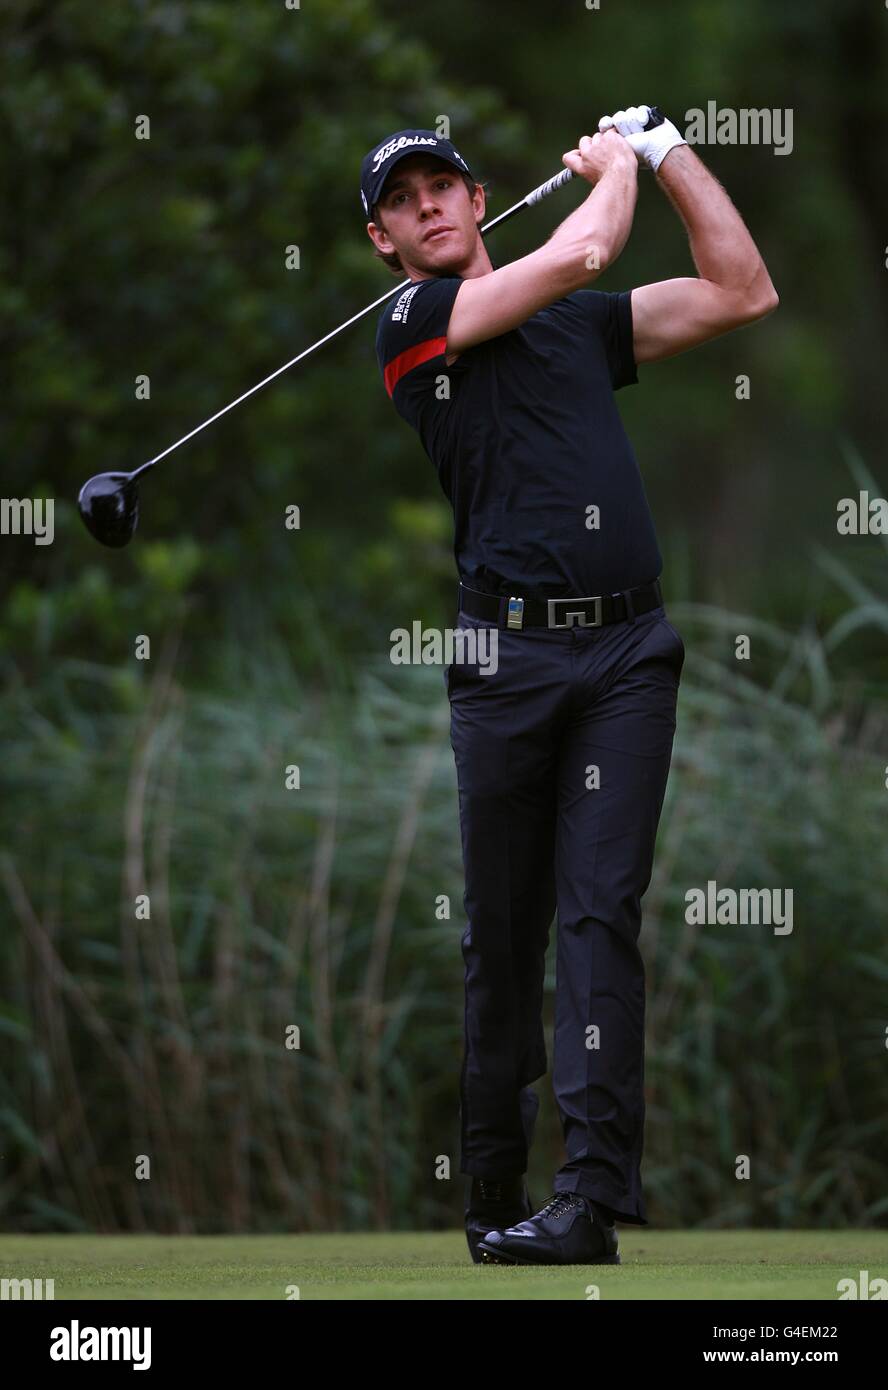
(514,612)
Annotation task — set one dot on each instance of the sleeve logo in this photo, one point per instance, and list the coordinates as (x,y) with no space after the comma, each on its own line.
(402,308)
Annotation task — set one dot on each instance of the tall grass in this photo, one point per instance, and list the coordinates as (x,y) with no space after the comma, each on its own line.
(316,907)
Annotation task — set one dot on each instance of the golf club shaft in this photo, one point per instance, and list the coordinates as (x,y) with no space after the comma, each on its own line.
(536,196)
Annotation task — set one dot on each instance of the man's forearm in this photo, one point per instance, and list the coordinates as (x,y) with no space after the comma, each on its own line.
(593,236)
(722,248)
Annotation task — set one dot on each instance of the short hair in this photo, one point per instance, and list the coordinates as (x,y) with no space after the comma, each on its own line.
(391,258)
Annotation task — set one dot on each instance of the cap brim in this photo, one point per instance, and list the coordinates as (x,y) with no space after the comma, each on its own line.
(383,176)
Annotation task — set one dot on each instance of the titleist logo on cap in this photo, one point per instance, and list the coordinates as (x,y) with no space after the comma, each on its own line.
(384,151)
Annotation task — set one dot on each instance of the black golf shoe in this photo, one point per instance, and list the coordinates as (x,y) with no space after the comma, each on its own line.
(492,1205)
(570,1230)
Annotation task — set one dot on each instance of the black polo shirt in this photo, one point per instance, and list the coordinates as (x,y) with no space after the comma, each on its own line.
(525,435)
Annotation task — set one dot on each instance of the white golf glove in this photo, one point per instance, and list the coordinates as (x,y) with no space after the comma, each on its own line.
(651,146)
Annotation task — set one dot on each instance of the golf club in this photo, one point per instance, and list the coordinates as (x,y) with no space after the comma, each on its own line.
(109,502)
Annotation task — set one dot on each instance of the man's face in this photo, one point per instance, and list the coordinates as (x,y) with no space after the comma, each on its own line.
(426,215)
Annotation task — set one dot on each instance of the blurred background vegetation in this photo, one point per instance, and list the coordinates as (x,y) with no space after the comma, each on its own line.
(274,907)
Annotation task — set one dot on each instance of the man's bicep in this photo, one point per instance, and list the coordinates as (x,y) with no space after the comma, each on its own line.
(490,305)
(672,316)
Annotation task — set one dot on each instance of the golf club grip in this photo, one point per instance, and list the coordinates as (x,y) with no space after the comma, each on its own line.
(557,181)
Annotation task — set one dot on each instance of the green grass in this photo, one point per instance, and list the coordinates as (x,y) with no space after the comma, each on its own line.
(662,1264)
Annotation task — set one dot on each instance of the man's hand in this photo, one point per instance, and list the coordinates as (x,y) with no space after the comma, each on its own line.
(651,146)
(598,153)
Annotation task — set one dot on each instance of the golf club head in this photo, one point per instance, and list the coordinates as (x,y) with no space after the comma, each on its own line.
(109,505)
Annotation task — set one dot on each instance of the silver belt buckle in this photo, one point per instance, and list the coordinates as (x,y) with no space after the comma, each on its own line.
(576,617)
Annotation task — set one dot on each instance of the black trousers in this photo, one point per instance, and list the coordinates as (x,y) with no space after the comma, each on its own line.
(562,757)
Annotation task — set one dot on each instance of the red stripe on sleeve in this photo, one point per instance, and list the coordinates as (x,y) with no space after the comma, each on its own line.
(410,358)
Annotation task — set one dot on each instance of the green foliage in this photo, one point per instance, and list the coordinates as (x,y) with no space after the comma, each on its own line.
(166,257)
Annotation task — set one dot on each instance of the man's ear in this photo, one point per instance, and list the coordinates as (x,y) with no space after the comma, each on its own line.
(377,235)
(479,203)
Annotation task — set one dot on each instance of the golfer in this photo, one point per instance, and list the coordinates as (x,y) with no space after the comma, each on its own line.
(562,753)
